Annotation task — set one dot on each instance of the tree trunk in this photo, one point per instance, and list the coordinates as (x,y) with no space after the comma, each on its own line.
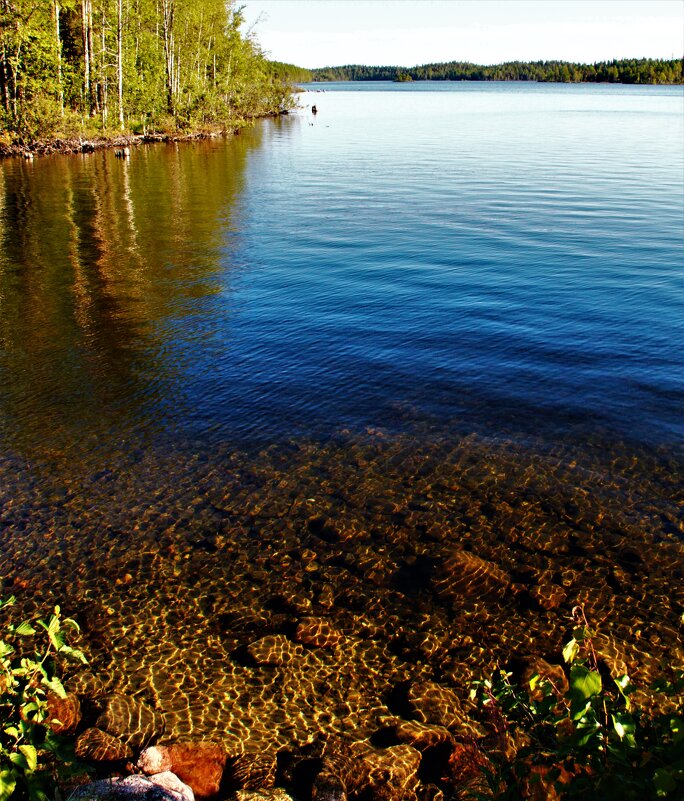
(119,60)
(168,9)
(58,40)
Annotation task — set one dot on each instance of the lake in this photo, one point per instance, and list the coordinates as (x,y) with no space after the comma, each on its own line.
(327,374)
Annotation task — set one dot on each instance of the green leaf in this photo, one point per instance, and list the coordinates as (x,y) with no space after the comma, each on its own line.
(71,623)
(624,726)
(56,686)
(664,782)
(25,629)
(19,760)
(9,602)
(12,731)
(8,781)
(584,683)
(31,755)
(570,651)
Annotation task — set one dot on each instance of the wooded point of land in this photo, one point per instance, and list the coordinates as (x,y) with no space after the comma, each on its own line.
(83,67)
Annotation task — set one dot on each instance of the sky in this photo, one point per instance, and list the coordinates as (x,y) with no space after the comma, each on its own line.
(318,33)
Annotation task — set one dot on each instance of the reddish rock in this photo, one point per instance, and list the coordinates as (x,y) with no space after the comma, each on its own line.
(464,768)
(64,714)
(200,765)
(99,746)
(319,632)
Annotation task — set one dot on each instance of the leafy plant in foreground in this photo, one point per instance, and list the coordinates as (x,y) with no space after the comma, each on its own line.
(31,755)
(589,741)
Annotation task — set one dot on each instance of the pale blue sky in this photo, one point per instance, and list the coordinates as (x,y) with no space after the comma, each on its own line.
(317,33)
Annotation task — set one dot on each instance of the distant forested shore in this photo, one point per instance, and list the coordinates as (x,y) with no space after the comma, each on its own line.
(630,70)
(73,69)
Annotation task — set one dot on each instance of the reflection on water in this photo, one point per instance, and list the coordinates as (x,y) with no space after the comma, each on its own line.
(101,259)
(305,447)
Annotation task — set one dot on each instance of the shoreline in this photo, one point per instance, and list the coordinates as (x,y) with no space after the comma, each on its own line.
(71,145)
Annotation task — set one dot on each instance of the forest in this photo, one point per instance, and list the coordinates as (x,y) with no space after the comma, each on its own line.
(641,71)
(96,67)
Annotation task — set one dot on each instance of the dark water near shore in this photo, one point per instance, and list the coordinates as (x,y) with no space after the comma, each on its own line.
(301,372)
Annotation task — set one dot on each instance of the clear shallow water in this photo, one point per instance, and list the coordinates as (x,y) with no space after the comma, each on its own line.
(298,372)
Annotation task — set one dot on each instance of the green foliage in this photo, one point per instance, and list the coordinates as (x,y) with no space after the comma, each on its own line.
(125,65)
(31,755)
(645,70)
(590,741)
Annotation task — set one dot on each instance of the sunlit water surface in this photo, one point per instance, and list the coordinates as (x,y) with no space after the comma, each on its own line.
(319,369)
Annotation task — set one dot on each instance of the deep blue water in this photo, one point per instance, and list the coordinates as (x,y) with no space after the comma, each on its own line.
(500,256)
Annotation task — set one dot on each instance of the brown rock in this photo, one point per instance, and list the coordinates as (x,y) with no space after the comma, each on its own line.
(251,771)
(437,705)
(391,774)
(319,632)
(421,735)
(462,575)
(275,649)
(64,714)
(99,746)
(200,765)
(132,721)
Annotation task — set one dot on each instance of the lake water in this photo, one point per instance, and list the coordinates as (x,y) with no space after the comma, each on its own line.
(309,370)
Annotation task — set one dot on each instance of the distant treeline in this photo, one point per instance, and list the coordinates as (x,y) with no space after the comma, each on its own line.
(83,67)
(630,70)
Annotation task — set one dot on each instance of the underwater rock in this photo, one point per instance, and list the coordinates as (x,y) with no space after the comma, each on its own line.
(200,765)
(421,735)
(274,649)
(132,788)
(251,771)
(462,575)
(391,774)
(548,596)
(99,746)
(319,632)
(435,704)
(64,714)
(338,775)
(131,720)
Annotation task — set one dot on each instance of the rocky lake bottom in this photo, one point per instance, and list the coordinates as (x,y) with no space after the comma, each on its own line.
(344,592)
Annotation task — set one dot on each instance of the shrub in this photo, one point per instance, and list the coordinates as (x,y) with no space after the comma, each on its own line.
(589,742)
(32,757)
